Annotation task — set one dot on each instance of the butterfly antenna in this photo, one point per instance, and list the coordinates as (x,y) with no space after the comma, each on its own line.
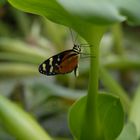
(72,36)
(73,40)
(76,38)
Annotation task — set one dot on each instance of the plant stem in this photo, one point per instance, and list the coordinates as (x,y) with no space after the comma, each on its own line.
(93,36)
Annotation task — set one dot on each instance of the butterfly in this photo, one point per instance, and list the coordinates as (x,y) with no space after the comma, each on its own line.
(62,63)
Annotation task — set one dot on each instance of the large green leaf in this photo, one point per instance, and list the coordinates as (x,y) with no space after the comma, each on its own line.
(110,113)
(71,12)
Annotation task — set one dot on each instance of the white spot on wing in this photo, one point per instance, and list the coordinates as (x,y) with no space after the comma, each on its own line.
(77,72)
(44,67)
(51,60)
(58,59)
(51,69)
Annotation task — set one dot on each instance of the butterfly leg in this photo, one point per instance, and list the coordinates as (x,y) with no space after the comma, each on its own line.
(76,71)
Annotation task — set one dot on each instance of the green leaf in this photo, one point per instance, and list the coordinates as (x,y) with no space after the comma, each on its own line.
(128,132)
(94,11)
(19,123)
(110,113)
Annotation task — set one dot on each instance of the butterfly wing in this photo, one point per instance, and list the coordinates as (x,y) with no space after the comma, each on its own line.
(61,63)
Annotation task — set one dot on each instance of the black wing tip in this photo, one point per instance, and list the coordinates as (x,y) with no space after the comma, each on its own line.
(40,68)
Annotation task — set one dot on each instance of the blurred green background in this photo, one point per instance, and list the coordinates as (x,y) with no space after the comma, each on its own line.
(27,40)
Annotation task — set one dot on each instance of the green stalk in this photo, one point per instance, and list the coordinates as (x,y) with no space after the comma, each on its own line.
(93,35)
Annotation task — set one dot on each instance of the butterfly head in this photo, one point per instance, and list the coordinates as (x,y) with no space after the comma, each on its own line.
(77,48)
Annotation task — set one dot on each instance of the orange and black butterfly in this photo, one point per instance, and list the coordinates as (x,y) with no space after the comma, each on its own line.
(62,63)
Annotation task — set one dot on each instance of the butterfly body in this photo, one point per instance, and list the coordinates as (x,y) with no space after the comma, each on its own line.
(62,63)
